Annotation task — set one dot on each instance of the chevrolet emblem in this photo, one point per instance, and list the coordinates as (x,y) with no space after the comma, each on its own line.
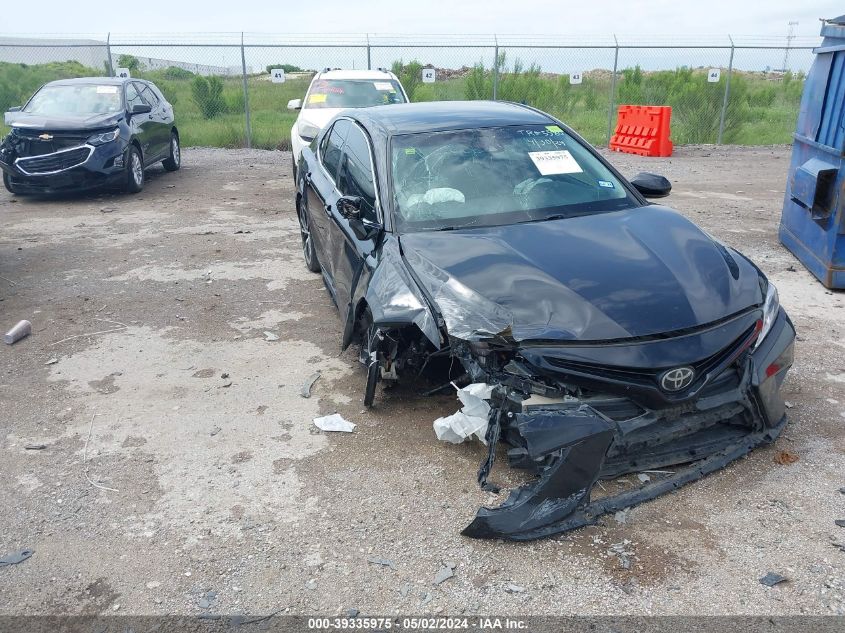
(45,137)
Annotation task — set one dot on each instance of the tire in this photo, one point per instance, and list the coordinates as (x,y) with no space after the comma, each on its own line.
(373,367)
(174,162)
(7,182)
(134,170)
(308,252)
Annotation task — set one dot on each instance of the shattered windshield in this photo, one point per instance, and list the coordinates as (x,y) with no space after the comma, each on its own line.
(353,93)
(497,176)
(75,99)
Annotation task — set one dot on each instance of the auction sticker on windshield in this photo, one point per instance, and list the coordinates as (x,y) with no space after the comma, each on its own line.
(383,85)
(107,90)
(556,162)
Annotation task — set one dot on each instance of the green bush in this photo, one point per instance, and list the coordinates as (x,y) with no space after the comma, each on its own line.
(129,61)
(207,95)
(176,73)
(410,75)
(288,68)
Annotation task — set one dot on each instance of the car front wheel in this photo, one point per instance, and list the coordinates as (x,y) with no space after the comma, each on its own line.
(7,182)
(308,252)
(174,161)
(134,170)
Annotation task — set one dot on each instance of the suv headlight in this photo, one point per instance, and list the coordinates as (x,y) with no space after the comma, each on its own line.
(307,131)
(770,311)
(103,137)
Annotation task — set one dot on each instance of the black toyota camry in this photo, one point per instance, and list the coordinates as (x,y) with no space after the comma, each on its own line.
(77,134)
(612,335)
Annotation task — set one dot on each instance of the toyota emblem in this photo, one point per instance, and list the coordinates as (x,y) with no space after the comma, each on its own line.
(677,379)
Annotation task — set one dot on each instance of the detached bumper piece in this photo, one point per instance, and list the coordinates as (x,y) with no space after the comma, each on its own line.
(560,500)
(572,444)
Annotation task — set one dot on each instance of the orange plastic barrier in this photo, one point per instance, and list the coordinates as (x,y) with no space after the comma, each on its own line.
(642,130)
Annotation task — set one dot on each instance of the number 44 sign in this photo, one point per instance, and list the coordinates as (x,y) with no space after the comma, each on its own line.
(428,75)
(277,75)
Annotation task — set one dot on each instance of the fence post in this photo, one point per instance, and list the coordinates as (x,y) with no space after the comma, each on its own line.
(612,90)
(496,68)
(246,96)
(727,93)
(108,53)
(369,60)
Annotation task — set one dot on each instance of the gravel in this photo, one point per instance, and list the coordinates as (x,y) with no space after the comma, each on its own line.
(229,488)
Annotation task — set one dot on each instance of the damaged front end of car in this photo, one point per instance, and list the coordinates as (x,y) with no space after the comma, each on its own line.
(574,412)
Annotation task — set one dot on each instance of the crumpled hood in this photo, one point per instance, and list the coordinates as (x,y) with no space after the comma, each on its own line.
(26,121)
(612,275)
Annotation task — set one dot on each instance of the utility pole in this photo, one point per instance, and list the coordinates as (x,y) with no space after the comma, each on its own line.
(789,37)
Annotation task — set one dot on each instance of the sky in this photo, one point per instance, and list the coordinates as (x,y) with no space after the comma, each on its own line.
(553,17)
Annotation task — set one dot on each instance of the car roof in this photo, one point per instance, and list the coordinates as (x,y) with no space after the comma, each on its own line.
(354,74)
(437,116)
(102,81)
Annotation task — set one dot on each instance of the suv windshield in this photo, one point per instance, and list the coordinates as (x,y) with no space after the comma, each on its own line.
(497,176)
(353,93)
(75,100)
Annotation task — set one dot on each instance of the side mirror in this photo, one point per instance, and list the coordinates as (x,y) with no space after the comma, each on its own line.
(652,185)
(14,109)
(140,108)
(349,207)
(295,104)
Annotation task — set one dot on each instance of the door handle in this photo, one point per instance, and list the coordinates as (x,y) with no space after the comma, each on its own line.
(328,209)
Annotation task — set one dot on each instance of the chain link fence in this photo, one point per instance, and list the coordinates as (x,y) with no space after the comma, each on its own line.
(722,90)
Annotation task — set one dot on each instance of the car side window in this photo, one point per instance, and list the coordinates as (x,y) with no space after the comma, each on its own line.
(149,96)
(356,173)
(133,97)
(330,155)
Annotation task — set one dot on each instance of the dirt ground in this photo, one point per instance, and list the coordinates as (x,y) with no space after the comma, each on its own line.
(182,473)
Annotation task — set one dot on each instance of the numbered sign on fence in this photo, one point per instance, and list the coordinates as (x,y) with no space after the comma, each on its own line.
(575,78)
(713,75)
(277,75)
(123,73)
(428,75)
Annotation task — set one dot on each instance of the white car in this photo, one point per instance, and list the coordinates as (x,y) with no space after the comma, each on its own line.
(334,90)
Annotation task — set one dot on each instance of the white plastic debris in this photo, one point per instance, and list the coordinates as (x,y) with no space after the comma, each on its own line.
(471,419)
(21,330)
(334,422)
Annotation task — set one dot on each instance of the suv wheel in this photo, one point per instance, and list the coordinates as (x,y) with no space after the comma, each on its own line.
(134,170)
(7,182)
(174,161)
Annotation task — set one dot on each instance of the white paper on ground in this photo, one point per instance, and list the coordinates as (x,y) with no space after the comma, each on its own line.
(555,162)
(471,419)
(334,422)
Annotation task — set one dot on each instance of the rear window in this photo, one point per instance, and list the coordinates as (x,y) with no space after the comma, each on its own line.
(353,93)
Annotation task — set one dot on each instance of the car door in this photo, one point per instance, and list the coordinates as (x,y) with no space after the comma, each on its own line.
(142,125)
(355,178)
(158,118)
(322,193)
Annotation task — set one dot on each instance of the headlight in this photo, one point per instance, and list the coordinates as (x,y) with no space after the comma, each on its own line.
(104,137)
(770,312)
(307,131)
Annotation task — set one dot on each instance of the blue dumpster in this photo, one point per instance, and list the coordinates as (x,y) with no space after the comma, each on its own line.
(813,222)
